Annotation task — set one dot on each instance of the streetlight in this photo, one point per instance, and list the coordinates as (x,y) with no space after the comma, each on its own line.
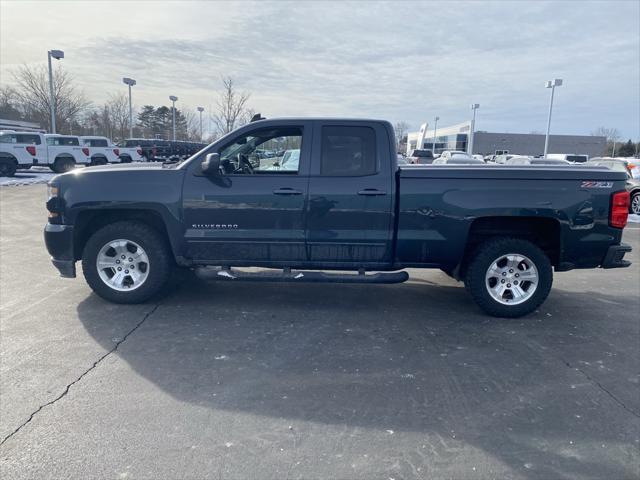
(201,109)
(474,107)
(174,99)
(131,82)
(435,127)
(57,54)
(552,84)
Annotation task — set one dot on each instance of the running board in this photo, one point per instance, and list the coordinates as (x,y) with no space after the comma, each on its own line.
(299,276)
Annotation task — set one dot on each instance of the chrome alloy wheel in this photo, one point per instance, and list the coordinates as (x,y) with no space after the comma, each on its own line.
(635,204)
(511,279)
(122,265)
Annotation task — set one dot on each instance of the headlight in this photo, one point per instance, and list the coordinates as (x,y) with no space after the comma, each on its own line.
(52,190)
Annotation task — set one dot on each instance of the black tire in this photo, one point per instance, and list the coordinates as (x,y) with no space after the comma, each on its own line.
(125,159)
(8,167)
(97,161)
(635,207)
(155,246)
(63,164)
(490,251)
(145,158)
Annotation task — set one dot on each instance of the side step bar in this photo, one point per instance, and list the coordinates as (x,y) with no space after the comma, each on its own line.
(299,276)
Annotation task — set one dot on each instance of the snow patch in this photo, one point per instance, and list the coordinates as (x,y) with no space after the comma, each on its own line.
(634,218)
(224,273)
(33,176)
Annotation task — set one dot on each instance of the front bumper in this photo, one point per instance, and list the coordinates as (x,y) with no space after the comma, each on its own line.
(59,242)
(614,256)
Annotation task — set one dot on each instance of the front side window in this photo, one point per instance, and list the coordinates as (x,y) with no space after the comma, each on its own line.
(270,150)
(8,138)
(67,141)
(348,151)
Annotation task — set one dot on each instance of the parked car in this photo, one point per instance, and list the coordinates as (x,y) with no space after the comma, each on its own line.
(101,150)
(569,157)
(450,153)
(458,159)
(502,159)
(633,183)
(349,207)
(22,150)
(522,160)
(421,157)
(154,150)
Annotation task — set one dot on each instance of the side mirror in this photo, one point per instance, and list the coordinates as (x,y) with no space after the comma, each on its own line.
(211,164)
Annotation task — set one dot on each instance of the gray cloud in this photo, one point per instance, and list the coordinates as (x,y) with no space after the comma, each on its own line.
(401,61)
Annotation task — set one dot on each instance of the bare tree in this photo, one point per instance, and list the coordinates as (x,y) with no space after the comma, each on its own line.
(230,107)
(612,135)
(402,129)
(117,113)
(10,107)
(33,92)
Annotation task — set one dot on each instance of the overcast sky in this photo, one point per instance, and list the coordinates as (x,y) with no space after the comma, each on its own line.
(398,61)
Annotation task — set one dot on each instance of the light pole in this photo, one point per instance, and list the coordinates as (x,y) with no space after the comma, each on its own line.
(174,99)
(552,84)
(130,82)
(474,107)
(435,127)
(57,54)
(201,109)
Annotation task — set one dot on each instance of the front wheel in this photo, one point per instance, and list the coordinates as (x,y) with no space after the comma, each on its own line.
(509,277)
(634,207)
(127,262)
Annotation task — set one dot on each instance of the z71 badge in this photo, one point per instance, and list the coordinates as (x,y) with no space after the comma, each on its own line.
(594,184)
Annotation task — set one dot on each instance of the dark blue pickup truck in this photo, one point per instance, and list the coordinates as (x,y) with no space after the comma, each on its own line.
(308,196)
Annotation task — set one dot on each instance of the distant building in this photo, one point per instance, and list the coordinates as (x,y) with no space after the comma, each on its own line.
(456,137)
(21,126)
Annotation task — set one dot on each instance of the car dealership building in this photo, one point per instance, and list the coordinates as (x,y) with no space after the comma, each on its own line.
(456,137)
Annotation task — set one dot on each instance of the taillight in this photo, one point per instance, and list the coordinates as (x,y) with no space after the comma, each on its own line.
(139,151)
(85,150)
(619,209)
(116,151)
(32,150)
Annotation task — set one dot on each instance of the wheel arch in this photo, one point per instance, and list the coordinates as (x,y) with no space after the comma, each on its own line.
(545,232)
(89,221)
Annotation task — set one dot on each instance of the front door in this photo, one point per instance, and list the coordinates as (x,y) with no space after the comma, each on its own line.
(351,188)
(253,212)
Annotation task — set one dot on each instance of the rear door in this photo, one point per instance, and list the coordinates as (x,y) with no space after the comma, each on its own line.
(253,214)
(350,208)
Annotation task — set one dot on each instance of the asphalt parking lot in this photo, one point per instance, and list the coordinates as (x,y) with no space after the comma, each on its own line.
(272,381)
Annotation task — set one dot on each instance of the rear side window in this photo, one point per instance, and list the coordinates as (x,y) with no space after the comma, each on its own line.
(348,151)
(8,138)
(576,158)
(28,138)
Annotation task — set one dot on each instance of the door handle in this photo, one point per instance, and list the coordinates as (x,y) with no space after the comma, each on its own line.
(371,191)
(287,191)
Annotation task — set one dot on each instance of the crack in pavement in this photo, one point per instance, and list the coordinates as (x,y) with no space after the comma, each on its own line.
(95,364)
(599,385)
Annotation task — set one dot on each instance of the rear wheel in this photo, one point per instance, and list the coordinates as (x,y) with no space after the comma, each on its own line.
(634,207)
(63,164)
(95,161)
(127,262)
(125,159)
(509,277)
(8,167)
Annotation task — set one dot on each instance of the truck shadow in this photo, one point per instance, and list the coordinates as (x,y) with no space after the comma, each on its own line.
(417,357)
